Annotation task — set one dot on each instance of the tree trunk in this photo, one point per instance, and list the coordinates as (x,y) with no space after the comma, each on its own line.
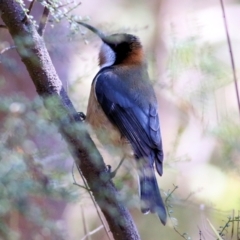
(34,55)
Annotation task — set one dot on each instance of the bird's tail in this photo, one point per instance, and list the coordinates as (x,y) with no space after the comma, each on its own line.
(151,200)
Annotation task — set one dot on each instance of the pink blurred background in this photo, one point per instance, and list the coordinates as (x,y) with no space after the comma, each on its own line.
(189,65)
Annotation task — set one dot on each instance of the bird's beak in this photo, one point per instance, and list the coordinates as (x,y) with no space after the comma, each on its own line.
(93,29)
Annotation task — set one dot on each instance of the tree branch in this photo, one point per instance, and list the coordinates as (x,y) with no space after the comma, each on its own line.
(43,21)
(29,10)
(3,26)
(34,55)
(231,55)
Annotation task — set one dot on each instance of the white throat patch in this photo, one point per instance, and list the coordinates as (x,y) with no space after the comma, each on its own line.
(107,56)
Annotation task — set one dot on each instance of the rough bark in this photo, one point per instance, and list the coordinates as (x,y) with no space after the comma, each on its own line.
(34,55)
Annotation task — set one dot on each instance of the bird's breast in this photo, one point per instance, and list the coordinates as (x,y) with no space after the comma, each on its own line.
(105,131)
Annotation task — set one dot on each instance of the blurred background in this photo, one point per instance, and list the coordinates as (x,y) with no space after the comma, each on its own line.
(189,65)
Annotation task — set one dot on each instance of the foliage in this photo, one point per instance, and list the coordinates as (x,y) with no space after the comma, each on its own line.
(27,178)
(28,139)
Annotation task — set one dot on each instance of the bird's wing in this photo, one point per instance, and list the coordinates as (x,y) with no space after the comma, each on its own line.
(140,125)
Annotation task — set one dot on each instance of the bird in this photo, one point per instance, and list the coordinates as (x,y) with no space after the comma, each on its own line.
(123,111)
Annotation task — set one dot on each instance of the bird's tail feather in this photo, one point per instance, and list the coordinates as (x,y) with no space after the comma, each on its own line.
(151,200)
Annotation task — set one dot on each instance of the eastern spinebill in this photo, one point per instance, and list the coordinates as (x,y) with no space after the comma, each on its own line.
(123,104)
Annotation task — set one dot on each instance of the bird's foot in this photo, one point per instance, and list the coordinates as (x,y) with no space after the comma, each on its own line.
(80,116)
(112,174)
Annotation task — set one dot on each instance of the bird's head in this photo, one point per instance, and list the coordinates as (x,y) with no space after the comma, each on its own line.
(119,48)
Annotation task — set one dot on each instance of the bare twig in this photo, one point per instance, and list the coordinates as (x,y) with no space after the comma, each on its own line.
(230,220)
(3,26)
(93,200)
(238,227)
(84,223)
(73,8)
(92,232)
(170,194)
(66,4)
(45,16)
(231,55)
(5,50)
(43,21)
(29,10)
(233,216)
(81,186)
(167,203)
(192,193)
(200,234)
(95,205)
(75,182)
(216,233)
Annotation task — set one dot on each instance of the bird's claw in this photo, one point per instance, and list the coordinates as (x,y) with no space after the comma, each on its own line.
(111,174)
(80,116)
(109,167)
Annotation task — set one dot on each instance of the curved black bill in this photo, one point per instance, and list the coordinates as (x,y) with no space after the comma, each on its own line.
(93,29)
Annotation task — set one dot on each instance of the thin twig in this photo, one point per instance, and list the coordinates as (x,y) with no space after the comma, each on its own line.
(170,194)
(230,220)
(216,233)
(3,26)
(238,227)
(92,232)
(189,195)
(66,4)
(81,186)
(5,50)
(45,16)
(75,182)
(183,235)
(29,10)
(43,21)
(95,204)
(84,223)
(233,216)
(231,55)
(73,8)
(200,233)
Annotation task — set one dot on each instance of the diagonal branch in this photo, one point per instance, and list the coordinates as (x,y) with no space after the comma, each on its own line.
(5,50)
(231,55)
(43,21)
(29,10)
(3,26)
(34,55)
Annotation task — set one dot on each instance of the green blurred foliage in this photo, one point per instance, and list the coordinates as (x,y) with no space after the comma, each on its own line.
(32,153)
(28,182)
